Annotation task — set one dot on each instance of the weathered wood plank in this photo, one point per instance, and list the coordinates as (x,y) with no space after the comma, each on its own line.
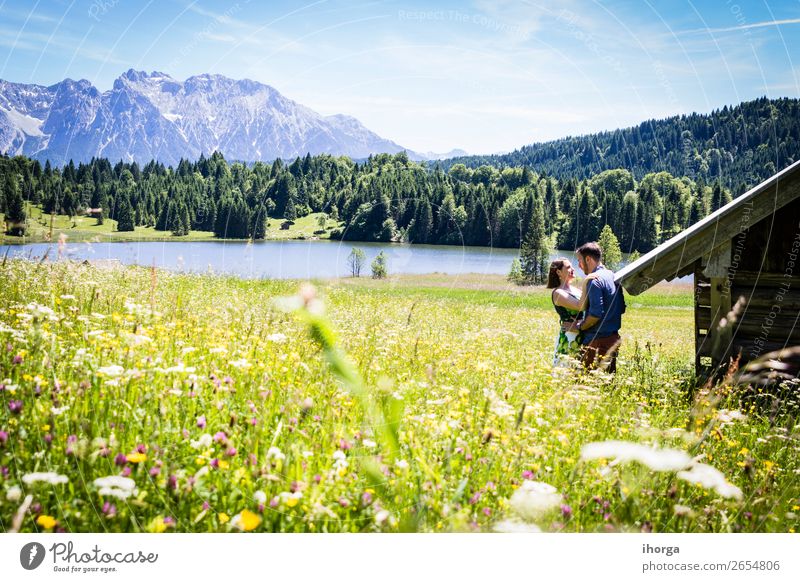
(718,261)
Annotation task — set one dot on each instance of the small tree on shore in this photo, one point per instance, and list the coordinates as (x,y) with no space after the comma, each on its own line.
(612,254)
(515,274)
(379,267)
(355,261)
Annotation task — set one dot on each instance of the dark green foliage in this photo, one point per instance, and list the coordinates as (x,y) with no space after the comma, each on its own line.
(534,253)
(125,214)
(14,207)
(746,144)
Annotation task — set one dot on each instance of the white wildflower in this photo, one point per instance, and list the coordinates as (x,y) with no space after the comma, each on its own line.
(381,517)
(369,443)
(136,339)
(58,411)
(49,477)
(277,338)
(260,497)
(402,465)
(623,451)
(114,370)
(275,454)
(14,493)
(180,368)
(115,481)
(291,499)
(40,311)
(115,486)
(203,442)
(534,499)
(511,526)
(710,478)
(241,363)
(729,416)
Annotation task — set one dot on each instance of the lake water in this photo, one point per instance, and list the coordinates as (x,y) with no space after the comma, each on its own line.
(280,259)
(293,259)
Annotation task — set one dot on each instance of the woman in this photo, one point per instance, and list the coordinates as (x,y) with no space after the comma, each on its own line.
(568,301)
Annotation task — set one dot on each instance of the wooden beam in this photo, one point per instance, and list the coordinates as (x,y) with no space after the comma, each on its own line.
(720,307)
(718,261)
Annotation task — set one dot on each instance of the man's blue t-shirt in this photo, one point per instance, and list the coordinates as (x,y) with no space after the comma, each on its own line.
(606,302)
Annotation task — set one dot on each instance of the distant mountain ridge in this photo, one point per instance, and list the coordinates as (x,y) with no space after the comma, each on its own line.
(148,116)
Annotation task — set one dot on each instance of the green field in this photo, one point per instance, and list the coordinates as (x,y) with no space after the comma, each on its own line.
(83,229)
(151,401)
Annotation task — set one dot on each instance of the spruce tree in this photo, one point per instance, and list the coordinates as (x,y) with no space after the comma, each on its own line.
(535,251)
(125,218)
(258,226)
(15,207)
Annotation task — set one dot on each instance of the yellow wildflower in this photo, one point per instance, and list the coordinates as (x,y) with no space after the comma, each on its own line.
(46,521)
(223,517)
(136,457)
(247,520)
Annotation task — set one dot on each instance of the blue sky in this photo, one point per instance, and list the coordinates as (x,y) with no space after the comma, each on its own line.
(485,76)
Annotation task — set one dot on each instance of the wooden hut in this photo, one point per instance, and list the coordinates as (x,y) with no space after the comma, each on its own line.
(747,252)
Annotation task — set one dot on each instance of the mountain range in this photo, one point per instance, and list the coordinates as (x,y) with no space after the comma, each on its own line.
(148,116)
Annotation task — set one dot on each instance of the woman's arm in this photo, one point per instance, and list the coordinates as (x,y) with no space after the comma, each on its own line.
(564,299)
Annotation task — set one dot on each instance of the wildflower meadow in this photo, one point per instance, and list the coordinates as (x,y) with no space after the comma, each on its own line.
(136,399)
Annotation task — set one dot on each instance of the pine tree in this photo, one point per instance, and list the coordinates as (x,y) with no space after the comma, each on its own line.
(125,222)
(535,251)
(258,226)
(15,207)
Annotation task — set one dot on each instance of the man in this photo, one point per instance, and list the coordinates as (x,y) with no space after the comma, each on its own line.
(603,316)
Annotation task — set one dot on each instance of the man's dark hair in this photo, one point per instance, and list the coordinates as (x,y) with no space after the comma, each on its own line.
(590,249)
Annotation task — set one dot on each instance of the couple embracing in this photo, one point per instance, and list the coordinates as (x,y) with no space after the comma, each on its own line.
(590,316)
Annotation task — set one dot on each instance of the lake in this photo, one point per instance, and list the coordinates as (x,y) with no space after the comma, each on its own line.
(291,259)
(300,259)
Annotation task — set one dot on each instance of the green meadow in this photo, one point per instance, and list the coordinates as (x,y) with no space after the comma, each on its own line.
(41,227)
(136,399)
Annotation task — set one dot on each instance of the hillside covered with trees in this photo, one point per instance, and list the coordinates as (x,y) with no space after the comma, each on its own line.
(740,146)
(386,198)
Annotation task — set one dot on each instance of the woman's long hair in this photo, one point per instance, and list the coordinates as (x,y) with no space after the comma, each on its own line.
(552,276)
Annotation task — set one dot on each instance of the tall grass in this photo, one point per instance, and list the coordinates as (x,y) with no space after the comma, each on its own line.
(366,408)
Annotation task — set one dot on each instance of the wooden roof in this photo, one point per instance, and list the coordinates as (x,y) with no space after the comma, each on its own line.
(677,256)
